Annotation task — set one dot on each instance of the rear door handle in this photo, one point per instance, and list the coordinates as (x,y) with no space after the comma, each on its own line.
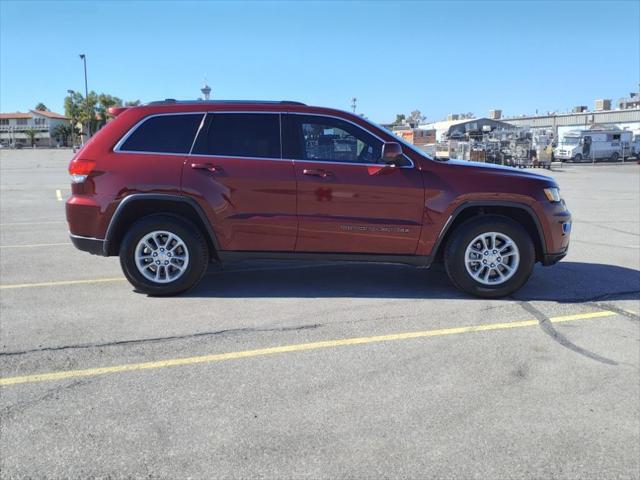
(207,166)
(317,172)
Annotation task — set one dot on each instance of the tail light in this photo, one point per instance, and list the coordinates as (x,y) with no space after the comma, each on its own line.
(80,168)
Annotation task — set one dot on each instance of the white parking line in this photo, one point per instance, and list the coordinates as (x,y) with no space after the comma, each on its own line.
(59,195)
(35,245)
(10,224)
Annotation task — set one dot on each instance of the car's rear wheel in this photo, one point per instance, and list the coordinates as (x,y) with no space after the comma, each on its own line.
(577,158)
(164,255)
(614,156)
(489,256)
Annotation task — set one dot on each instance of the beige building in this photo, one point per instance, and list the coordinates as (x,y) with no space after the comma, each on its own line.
(14,125)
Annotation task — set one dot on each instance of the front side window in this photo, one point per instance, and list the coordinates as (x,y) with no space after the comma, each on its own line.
(253,135)
(334,140)
(164,134)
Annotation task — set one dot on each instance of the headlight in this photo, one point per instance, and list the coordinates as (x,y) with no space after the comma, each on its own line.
(553,194)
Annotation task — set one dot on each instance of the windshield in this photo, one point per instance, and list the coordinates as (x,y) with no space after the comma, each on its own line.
(571,140)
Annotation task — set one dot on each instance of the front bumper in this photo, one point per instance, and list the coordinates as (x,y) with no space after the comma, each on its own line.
(94,246)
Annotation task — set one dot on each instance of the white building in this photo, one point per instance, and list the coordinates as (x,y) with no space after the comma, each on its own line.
(14,125)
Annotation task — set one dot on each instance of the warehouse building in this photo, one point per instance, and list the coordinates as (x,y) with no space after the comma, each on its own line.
(580,118)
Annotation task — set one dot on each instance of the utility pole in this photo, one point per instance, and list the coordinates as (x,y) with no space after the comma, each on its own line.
(354,101)
(86,95)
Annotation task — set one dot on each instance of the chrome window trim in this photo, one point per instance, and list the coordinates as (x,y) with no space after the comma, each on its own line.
(118,146)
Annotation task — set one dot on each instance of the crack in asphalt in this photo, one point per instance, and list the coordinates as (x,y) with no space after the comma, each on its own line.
(22,406)
(160,339)
(619,311)
(548,328)
(596,224)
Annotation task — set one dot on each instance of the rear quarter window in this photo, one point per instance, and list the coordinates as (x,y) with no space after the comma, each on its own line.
(163,134)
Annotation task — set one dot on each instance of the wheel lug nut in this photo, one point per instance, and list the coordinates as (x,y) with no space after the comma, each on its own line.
(166,262)
(484,261)
(495,251)
(157,262)
(492,265)
(155,254)
(499,259)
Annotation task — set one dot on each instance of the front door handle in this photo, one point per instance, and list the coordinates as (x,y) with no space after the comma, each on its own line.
(317,172)
(207,166)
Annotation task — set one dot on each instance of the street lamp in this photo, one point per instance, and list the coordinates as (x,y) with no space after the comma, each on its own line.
(86,94)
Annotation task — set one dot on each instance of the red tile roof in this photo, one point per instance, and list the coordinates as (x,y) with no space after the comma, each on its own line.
(16,115)
(49,114)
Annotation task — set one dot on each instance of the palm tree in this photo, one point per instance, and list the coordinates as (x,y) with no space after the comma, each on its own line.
(31,134)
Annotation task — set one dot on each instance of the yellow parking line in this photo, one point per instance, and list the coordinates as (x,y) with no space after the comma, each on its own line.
(299,347)
(62,282)
(35,245)
(59,195)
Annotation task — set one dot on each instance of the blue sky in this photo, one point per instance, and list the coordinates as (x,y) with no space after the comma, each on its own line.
(439,57)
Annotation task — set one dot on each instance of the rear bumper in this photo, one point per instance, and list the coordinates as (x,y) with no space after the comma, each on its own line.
(94,246)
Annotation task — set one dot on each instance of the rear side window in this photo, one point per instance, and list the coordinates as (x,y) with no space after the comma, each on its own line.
(254,135)
(164,134)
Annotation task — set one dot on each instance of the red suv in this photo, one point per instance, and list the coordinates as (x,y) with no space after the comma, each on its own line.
(170,186)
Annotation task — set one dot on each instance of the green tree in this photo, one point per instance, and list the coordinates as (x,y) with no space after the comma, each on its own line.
(64,132)
(105,102)
(400,119)
(41,107)
(132,103)
(31,134)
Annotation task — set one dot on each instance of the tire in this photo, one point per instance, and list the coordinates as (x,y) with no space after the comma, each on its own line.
(187,264)
(499,281)
(614,157)
(577,158)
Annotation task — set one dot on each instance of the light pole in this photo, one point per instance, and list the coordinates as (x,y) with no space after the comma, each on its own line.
(86,94)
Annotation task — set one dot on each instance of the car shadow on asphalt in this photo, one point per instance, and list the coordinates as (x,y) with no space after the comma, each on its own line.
(565,282)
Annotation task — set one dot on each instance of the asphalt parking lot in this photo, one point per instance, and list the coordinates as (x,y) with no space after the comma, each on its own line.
(317,370)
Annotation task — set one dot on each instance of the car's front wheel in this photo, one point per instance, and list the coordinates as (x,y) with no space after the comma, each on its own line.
(489,256)
(164,255)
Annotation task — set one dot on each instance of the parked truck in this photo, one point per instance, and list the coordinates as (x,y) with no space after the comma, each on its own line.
(594,145)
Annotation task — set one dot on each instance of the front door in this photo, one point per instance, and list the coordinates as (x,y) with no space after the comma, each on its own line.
(237,174)
(347,201)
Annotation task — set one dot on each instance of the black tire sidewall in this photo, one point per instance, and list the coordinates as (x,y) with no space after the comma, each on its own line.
(193,239)
(455,255)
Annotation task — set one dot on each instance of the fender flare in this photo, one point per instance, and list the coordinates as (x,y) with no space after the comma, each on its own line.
(140,197)
(489,203)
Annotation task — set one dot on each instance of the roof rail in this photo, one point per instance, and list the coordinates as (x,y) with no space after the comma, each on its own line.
(173,101)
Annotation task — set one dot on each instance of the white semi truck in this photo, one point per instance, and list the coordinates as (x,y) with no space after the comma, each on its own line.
(594,145)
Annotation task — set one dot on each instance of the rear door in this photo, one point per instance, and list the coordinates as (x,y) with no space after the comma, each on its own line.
(347,201)
(237,174)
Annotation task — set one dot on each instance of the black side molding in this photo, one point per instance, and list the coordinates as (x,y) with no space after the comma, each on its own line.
(227,256)
(134,197)
(491,203)
(95,246)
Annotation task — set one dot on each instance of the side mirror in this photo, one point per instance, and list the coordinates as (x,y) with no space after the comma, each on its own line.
(392,153)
